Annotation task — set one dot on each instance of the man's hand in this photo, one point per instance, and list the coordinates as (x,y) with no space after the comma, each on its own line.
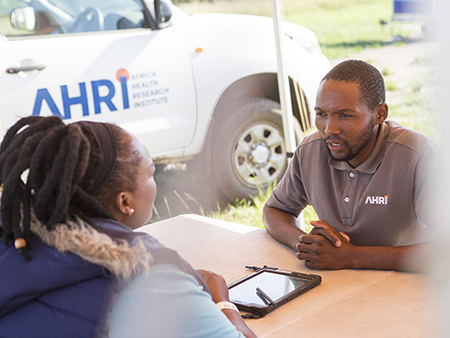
(216,284)
(327,231)
(324,247)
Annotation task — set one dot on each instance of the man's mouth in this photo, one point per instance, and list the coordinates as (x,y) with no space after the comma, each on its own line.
(335,146)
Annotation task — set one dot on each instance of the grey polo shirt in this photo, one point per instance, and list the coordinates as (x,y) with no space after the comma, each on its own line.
(384,201)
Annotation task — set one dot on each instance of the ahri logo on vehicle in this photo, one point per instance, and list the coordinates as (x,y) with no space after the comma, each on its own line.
(145,91)
(377,199)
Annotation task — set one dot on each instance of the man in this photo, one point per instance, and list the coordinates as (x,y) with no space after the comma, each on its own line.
(365,177)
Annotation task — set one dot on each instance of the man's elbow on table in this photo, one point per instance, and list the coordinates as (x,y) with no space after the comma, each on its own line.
(282,226)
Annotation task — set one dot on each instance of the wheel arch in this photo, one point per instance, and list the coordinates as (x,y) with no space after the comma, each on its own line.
(264,86)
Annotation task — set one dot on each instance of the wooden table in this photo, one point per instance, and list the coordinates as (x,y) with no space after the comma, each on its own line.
(348,303)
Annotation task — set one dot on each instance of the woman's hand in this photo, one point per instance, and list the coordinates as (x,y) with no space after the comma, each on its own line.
(216,284)
(219,292)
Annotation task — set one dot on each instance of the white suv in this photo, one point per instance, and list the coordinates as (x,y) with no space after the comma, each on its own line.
(190,85)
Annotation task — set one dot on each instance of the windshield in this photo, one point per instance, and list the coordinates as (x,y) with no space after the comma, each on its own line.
(40,17)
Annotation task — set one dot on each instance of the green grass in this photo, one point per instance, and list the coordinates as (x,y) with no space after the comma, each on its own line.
(386,72)
(420,110)
(342,27)
(250,211)
(390,85)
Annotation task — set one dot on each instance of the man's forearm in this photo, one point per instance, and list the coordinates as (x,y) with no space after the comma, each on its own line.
(400,258)
(282,226)
(377,258)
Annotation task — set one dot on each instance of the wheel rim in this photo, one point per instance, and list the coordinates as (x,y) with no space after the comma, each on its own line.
(259,156)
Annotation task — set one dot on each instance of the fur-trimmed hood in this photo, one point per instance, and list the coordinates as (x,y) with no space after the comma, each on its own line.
(108,248)
(115,250)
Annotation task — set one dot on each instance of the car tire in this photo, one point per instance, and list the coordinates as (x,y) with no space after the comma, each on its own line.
(249,151)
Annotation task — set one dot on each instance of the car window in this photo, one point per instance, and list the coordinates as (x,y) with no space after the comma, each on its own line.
(41,17)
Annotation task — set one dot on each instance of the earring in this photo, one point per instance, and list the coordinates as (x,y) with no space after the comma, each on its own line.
(132,211)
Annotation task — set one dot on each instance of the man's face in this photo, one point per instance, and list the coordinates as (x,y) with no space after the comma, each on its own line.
(344,122)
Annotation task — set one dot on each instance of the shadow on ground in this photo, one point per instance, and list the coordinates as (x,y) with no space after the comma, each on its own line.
(181,190)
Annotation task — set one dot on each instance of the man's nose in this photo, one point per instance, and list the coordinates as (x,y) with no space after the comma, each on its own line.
(332,127)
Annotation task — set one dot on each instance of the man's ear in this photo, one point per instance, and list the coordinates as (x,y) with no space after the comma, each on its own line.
(381,113)
(123,203)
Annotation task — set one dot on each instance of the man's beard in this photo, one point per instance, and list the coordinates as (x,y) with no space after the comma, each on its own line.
(355,148)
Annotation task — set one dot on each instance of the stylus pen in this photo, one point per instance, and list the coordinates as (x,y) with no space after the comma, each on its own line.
(264,297)
(253,267)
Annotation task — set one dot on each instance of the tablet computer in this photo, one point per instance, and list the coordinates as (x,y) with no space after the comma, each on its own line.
(268,288)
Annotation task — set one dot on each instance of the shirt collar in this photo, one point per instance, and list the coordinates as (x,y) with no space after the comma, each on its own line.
(370,165)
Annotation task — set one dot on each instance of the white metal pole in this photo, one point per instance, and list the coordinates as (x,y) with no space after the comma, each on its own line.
(283,88)
(283,79)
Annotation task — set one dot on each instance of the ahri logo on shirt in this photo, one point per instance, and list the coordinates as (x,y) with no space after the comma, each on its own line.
(377,199)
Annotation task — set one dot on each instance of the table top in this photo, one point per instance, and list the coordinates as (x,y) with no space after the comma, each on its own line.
(348,303)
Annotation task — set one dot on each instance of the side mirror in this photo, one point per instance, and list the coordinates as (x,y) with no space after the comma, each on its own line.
(23,18)
(163,10)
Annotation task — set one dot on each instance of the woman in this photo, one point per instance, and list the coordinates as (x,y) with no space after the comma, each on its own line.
(71,196)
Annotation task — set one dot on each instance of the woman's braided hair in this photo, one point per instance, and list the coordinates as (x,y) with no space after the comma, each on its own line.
(48,168)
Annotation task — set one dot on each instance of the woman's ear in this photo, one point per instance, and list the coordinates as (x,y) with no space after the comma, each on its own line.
(123,203)
(381,113)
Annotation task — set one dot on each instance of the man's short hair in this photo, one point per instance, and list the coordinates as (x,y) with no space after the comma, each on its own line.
(370,80)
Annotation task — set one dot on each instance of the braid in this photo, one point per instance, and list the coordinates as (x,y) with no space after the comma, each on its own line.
(70,159)
(14,155)
(10,144)
(61,163)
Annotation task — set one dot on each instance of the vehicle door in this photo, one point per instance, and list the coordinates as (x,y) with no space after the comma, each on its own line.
(100,61)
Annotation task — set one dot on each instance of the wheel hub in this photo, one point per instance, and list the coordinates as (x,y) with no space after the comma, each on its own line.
(260,153)
(259,156)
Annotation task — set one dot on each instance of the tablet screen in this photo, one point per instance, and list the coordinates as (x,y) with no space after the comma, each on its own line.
(272,284)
